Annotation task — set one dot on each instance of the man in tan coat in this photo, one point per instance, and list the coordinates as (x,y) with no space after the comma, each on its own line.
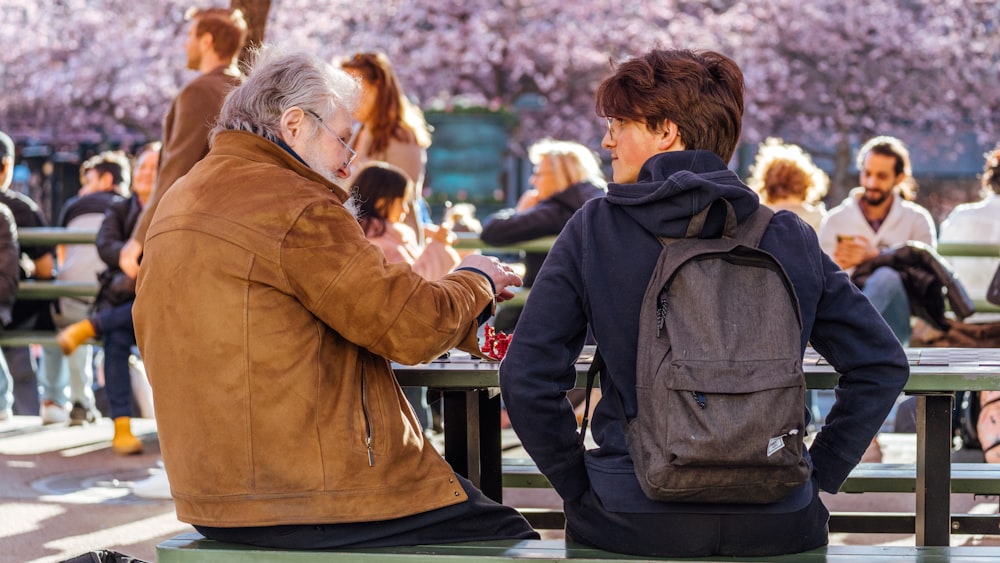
(215,38)
(267,323)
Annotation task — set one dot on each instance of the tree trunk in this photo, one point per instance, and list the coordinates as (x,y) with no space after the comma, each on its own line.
(255,12)
(841,182)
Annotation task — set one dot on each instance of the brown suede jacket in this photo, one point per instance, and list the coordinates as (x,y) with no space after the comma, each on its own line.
(267,323)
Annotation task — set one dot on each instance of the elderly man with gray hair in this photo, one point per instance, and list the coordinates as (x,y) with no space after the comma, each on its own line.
(267,323)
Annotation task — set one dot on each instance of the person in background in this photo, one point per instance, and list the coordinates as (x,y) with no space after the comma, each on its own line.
(393,129)
(384,194)
(269,348)
(566,176)
(674,120)
(112,317)
(214,40)
(875,216)
(785,178)
(10,270)
(36,262)
(9,278)
(105,179)
(977,222)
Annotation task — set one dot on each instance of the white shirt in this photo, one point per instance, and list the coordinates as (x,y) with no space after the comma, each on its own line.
(905,221)
(974,222)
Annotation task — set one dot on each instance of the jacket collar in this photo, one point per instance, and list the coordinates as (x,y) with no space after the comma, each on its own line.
(258,149)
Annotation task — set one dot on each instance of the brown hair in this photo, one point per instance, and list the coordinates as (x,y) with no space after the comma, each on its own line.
(891,146)
(785,170)
(394,117)
(227,27)
(700,91)
(110,162)
(379,182)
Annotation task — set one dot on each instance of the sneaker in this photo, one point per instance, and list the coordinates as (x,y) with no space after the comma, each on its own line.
(156,486)
(53,413)
(80,415)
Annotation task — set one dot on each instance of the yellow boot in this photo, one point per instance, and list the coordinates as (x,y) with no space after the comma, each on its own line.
(74,335)
(124,442)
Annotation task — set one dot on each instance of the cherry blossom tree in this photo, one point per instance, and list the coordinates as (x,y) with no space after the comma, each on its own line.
(824,73)
(830,74)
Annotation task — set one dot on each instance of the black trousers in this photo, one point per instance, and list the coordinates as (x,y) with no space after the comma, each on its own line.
(477,519)
(694,535)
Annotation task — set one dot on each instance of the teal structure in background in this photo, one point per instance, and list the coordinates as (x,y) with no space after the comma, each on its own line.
(465,161)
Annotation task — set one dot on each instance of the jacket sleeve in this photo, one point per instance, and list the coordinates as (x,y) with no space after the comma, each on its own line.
(112,235)
(509,227)
(539,368)
(10,271)
(385,308)
(873,369)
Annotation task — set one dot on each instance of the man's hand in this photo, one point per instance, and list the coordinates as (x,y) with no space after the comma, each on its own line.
(128,258)
(853,250)
(501,274)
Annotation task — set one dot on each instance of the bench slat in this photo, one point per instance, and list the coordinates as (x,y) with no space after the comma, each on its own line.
(192,548)
(975,478)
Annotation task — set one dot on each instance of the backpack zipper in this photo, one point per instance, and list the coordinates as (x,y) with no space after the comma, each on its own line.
(661,314)
(368,422)
(699,398)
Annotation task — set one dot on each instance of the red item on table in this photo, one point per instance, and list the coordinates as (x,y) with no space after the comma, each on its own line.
(496,342)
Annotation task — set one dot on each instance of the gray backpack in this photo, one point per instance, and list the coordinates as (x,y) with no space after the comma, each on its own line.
(719,382)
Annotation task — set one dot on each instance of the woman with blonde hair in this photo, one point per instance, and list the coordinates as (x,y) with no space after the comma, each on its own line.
(566,176)
(785,178)
(393,129)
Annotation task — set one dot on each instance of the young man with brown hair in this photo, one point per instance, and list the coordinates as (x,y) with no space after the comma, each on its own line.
(673,123)
(215,37)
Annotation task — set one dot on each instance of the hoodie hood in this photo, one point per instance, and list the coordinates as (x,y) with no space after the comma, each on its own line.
(674,186)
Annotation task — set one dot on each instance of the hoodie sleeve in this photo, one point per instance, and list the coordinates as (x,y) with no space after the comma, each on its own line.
(873,369)
(539,367)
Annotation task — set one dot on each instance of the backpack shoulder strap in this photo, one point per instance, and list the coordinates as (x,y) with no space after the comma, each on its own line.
(752,230)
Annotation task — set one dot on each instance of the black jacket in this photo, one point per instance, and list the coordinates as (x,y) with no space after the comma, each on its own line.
(925,275)
(545,219)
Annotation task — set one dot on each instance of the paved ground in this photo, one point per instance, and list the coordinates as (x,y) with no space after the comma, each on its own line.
(64,493)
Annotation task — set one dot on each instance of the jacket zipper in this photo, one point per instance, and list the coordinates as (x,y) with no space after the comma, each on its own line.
(368,422)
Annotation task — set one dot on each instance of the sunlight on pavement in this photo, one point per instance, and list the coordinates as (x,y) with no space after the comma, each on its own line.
(30,517)
(126,534)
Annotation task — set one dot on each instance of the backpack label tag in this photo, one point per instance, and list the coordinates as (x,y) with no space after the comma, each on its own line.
(774,445)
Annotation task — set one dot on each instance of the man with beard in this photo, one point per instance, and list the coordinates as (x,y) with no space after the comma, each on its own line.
(879,214)
(215,38)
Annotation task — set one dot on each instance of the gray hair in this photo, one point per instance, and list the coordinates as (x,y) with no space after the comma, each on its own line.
(278,80)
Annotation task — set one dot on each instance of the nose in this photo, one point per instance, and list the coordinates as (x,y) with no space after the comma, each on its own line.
(606,141)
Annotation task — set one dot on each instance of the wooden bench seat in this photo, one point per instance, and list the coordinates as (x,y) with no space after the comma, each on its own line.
(975,478)
(971,478)
(192,548)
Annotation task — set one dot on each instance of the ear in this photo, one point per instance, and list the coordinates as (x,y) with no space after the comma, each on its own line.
(293,126)
(669,137)
(206,41)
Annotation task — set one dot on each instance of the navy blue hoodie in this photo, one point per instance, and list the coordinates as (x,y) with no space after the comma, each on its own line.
(597,272)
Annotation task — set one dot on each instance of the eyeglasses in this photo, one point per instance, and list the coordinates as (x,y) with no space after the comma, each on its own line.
(611,126)
(353,153)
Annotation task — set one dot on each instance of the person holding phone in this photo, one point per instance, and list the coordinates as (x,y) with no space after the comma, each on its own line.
(876,215)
